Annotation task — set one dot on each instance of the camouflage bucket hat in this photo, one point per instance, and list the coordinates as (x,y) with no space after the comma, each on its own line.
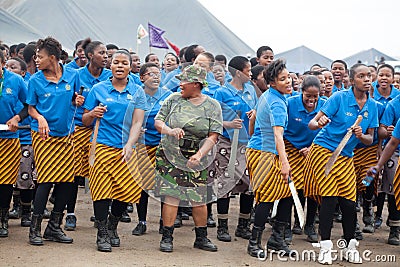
(193,73)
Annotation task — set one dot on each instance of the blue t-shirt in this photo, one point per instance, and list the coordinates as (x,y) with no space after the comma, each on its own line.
(378,97)
(54,100)
(271,111)
(342,109)
(392,112)
(170,75)
(116,123)
(73,64)
(293,93)
(136,78)
(297,131)
(151,136)
(381,110)
(236,102)
(396,131)
(335,89)
(14,91)
(88,81)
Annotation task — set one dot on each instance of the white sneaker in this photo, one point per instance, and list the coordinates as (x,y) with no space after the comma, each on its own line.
(325,252)
(351,254)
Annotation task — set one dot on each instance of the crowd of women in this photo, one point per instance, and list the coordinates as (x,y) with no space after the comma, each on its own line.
(192,131)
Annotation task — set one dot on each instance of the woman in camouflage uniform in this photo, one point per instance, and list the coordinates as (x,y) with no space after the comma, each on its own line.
(190,123)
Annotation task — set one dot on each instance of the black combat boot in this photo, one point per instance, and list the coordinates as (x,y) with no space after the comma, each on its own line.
(202,242)
(243,228)
(222,231)
(15,212)
(103,239)
(26,214)
(4,222)
(166,244)
(276,241)
(254,247)
(35,235)
(368,217)
(53,231)
(112,225)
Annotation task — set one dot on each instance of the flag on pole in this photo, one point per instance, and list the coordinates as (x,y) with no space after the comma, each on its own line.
(141,33)
(173,46)
(155,37)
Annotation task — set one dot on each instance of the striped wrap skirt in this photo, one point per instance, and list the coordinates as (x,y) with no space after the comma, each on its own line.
(147,165)
(396,187)
(266,179)
(54,159)
(364,158)
(111,178)
(340,182)
(297,163)
(10,156)
(82,143)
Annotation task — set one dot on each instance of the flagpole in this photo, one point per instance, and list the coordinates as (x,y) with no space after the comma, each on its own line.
(137,46)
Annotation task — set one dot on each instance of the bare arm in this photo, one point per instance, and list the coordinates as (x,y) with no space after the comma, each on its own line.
(367,138)
(280,147)
(134,132)
(89,116)
(43,127)
(319,121)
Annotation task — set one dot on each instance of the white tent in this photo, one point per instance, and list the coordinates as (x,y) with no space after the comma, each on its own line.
(186,22)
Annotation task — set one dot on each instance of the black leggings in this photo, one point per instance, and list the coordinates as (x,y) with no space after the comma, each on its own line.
(348,208)
(62,194)
(394,214)
(101,208)
(263,210)
(6,191)
(142,206)
(246,203)
(74,195)
(26,195)
(380,201)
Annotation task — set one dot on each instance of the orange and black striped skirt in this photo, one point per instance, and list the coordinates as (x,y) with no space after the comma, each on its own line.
(340,182)
(252,160)
(364,158)
(10,157)
(297,163)
(267,182)
(111,178)
(396,186)
(82,143)
(147,165)
(54,159)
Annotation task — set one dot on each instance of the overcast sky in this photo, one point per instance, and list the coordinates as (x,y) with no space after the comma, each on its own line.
(335,29)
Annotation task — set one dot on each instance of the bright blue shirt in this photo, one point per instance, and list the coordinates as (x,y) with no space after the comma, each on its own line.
(14,91)
(73,64)
(88,81)
(293,93)
(342,109)
(335,89)
(297,131)
(136,78)
(173,83)
(378,97)
(271,111)
(213,85)
(54,100)
(27,77)
(381,110)
(115,124)
(236,102)
(151,136)
(392,112)
(396,131)
(170,75)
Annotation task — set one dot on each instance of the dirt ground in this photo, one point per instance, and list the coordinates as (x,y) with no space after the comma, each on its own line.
(143,250)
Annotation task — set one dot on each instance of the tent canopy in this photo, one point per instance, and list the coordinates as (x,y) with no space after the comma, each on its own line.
(301,58)
(14,30)
(186,22)
(368,57)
